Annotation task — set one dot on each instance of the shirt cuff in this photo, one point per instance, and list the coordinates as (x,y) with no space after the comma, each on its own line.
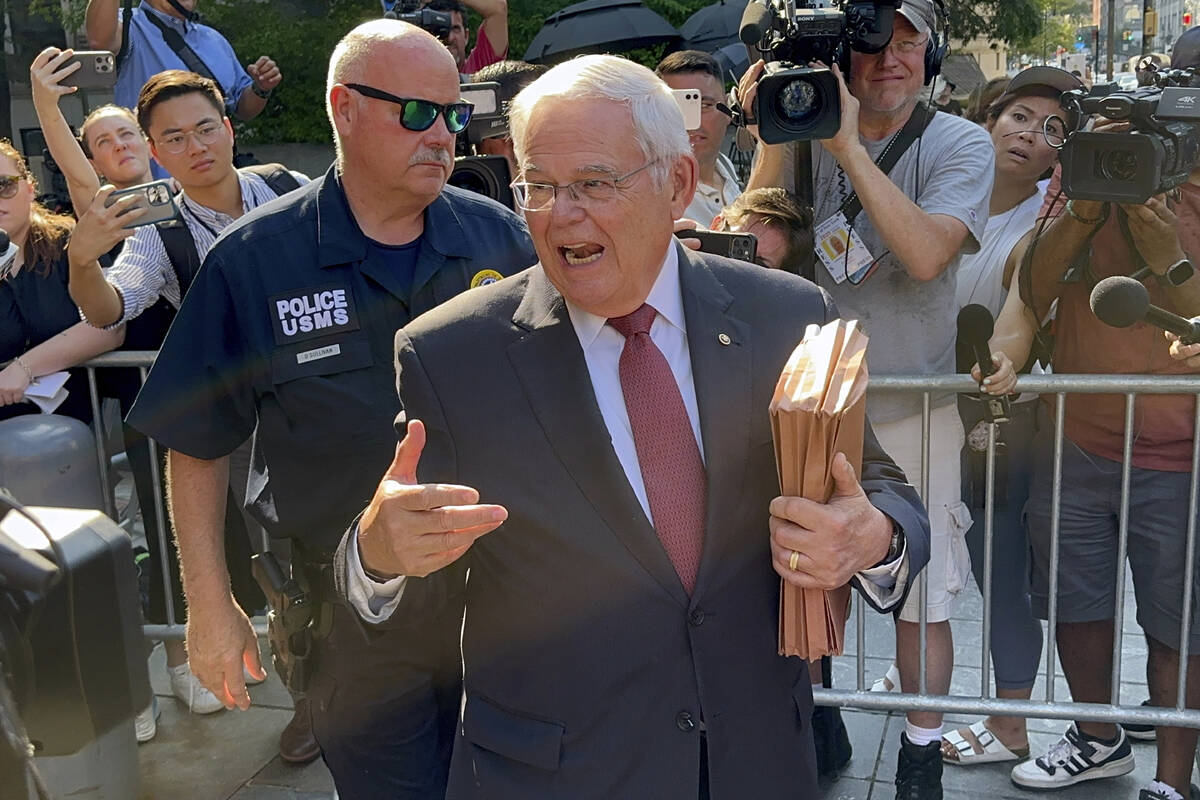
(373,600)
(121,320)
(887,582)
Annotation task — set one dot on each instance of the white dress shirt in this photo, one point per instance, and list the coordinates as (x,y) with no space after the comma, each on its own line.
(602,345)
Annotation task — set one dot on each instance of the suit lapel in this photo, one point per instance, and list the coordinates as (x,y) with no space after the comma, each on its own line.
(550,365)
(720,349)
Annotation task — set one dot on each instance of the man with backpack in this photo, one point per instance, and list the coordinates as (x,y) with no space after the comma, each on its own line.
(164,35)
(183,116)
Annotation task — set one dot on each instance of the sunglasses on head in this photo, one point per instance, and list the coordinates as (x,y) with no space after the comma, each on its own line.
(8,185)
(419,115)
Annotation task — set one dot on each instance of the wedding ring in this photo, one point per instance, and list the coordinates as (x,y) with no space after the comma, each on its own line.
(793,560)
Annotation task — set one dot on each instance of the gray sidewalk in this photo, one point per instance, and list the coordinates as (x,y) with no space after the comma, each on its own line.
(234,754)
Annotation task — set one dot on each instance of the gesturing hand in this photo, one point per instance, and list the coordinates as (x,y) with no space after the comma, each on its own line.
(415,528)
(832,540)
(265,73)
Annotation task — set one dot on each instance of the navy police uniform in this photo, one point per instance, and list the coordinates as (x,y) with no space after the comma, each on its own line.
(287,333)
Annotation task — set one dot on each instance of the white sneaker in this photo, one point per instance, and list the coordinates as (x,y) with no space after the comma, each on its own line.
(1073,759)
(145,724)
(187,687)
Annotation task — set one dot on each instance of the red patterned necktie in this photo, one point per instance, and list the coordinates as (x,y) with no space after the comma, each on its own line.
(667,452)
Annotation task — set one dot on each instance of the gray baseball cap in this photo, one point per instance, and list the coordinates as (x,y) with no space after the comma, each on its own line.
(920,13)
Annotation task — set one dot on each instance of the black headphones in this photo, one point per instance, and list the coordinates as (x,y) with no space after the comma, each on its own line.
(936,49)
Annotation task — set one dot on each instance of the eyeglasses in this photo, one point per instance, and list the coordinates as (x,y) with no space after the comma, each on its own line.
(419,115)
(9,184)
(906,47)
(587,191)
(177,142)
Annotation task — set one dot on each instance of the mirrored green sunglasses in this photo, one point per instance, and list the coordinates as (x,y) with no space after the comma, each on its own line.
(419,115)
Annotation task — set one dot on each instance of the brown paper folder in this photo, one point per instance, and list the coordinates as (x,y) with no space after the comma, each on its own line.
(818,410)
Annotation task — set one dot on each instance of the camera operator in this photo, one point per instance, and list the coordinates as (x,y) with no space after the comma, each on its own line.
(166,34)
(718,186)
(513,76)
(491,41)
(288,333)
(917,220)
(1162,233)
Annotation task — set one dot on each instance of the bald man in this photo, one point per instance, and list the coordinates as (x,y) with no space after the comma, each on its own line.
(287,333)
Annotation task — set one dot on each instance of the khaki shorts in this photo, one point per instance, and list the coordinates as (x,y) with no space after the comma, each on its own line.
(949,561)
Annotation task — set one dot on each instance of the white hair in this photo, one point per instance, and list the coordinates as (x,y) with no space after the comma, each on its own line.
(658,124)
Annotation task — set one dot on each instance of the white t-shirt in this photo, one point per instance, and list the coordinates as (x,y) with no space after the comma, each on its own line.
(981,275)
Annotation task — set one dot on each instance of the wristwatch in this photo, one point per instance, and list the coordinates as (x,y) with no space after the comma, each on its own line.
(1177,274)
(895,548)
(263,93)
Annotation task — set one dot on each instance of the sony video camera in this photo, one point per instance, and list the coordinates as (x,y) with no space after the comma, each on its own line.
(1156,154)
(483,174)
(796,101)
(437,23)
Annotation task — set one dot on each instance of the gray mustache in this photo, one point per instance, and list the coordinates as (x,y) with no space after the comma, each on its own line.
(439,156)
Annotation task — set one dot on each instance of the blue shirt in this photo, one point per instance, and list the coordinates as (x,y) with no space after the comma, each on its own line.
(287,333)
(149,54)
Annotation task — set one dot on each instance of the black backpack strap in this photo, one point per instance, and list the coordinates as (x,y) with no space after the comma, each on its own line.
(912,130)
(182,253)
(126,22)
(277,176)
(182,49)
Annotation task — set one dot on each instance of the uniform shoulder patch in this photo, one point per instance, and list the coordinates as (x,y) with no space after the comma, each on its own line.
(484,277)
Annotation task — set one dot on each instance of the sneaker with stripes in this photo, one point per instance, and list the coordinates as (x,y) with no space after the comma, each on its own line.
(1073,759)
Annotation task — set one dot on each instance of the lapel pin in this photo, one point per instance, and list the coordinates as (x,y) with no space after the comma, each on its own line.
(723,338)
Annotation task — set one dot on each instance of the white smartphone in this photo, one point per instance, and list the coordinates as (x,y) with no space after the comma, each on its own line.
(689,104)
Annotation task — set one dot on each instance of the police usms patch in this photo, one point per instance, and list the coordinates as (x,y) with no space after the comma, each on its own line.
(312,312)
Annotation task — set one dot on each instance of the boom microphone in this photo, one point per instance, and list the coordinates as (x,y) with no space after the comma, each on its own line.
(757,19)
(975,328)
(1120,301)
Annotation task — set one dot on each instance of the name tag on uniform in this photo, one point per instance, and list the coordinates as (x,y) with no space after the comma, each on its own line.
(310,313)
(321,352)
(842,250)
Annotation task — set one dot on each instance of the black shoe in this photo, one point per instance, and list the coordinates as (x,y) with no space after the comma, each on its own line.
(919,771)
(1138,731)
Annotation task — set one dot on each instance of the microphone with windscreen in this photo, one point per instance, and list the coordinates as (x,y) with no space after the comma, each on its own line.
(1121,301)
(8,252)
(975,328)
(757,20)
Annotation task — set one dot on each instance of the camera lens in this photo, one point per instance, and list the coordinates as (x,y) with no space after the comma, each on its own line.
(1118,165)
(797,101)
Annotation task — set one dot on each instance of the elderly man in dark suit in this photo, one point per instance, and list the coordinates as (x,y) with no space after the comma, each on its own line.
(622,610)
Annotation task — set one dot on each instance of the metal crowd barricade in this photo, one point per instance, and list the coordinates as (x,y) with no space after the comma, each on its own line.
(1051,708)
(142,360)
(985,703)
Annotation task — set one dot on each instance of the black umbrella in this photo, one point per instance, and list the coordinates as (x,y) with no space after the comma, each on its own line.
(734,60)
(715,26)
(599,26)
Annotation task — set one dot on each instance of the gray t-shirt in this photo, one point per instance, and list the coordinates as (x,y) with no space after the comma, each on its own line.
(912,324)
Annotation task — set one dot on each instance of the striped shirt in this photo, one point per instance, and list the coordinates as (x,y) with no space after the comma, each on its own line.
(143,271)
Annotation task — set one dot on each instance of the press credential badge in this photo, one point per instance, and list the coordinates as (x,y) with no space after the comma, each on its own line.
(842,250)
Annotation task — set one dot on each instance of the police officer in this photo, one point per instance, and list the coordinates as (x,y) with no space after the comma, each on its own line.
(287,332)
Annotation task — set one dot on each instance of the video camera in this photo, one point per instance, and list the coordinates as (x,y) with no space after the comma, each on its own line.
(1155,155)
(795,101)
(72,657)
(483,174)
(437,23)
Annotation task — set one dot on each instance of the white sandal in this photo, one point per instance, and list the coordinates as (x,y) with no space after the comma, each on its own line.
(890,682)
(977,745)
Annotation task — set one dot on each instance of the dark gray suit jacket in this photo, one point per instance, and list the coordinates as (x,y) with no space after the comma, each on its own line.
(588,669)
